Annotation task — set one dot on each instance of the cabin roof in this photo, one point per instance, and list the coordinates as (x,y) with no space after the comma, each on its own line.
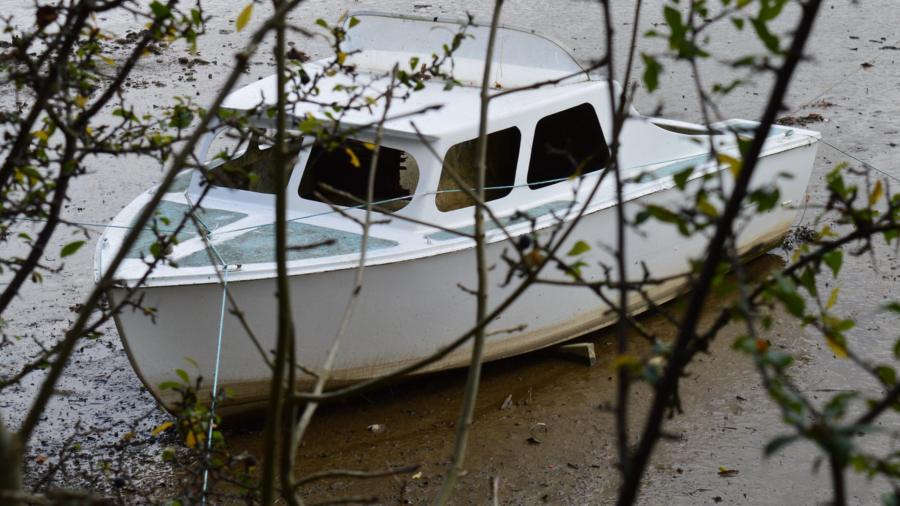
(435,111)
(377,42)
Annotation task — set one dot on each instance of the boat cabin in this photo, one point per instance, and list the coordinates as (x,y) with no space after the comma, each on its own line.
(538,139)
(545,146)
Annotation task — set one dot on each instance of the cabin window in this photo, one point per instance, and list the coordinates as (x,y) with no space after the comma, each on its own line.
(340,175)
(568,143)
(462,160)
(243,161)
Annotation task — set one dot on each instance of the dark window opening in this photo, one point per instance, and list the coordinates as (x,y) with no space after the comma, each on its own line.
(568,143)
(462,160)
(341,175)
(239,161)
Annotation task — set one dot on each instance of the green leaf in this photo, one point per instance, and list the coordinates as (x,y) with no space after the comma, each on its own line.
(578,248)
(778,443)
(833,259)
(652,69)
(832,298)
(414,62)
(353,21)
(705,207)
(778,359)
(682,177)
(786,292)
(837,406)
(71,248)
(673,19)
(169,385)
(887,375)
(807,280)
(765,200)
(159,10)
(768,39)
(244,17)
(183,375)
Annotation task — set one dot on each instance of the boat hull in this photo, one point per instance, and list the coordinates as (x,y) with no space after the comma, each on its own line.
(409,310)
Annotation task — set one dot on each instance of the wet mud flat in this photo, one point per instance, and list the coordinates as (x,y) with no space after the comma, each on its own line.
(848,90)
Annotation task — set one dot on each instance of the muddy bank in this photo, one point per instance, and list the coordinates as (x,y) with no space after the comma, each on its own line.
(848,90)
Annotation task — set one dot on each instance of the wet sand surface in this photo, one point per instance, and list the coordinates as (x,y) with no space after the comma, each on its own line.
(727,418)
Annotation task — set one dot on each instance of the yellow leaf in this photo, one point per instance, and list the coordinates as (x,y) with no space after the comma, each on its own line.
(369,146)
(417,476)
(80,101)
(534,257)
(826,232)
(244,17)
(706,208)
(625,361)
(161,428)
(41,134)
(109,61)
(190,440)
(341,57)
(837,348)
(734,165)
(354,161)
(876,194)
(832,299)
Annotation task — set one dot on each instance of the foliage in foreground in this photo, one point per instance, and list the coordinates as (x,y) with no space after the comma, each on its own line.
(74,114)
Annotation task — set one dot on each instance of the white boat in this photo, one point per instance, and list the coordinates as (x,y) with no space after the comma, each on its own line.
(411,303)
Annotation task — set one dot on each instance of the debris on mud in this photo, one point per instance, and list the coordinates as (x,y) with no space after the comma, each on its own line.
(191,62)
(538,433)
(295,54)
(376,428)
(724,472)
(821,104)
(797,236)
(800,120)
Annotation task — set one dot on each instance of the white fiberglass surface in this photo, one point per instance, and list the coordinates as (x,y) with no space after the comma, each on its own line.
(407,34)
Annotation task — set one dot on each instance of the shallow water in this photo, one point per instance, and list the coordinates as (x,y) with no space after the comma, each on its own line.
(727,417)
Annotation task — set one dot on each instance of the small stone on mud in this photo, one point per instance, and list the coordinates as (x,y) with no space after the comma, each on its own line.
(507,403)
(376,428)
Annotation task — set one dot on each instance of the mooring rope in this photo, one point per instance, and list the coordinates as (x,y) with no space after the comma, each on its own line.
(865,164)
(215,385)
(205,233)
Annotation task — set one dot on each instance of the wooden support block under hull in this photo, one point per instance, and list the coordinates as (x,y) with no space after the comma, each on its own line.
(582,352)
